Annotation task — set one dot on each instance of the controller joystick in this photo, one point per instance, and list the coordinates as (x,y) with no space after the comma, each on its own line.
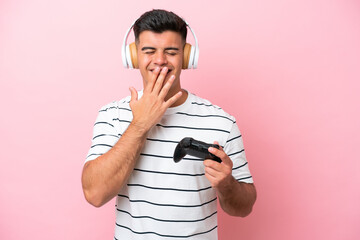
(194,148)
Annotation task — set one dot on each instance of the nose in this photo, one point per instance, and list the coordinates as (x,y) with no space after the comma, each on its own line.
(160,58)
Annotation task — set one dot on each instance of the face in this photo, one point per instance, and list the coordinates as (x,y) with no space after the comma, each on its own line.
(160,50)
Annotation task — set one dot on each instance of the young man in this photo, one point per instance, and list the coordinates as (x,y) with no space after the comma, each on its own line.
(134,141)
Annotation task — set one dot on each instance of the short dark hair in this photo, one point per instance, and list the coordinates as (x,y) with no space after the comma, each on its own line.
(159,21)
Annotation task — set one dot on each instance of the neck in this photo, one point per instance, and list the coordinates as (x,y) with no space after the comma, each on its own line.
(181,100)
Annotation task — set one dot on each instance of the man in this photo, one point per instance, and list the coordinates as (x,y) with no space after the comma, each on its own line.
(134,141)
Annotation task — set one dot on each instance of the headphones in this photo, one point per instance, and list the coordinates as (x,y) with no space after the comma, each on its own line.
(129,52)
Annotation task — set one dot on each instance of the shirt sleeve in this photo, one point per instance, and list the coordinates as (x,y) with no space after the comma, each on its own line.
(234,148)
(104,135)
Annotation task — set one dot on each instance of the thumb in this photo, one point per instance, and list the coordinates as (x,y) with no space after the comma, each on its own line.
(221,154)
(220,147)
(134,94)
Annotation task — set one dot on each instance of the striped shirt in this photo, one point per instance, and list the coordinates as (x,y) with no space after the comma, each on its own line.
(163,199)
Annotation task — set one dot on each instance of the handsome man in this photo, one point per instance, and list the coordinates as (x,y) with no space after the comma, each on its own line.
(134,141)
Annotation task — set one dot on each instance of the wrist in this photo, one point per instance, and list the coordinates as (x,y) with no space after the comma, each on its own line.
(139,128)
(227,187)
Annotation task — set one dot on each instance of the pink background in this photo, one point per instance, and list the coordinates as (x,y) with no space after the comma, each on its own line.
(289,71)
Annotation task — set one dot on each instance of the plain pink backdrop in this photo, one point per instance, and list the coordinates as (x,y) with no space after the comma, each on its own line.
(289,71)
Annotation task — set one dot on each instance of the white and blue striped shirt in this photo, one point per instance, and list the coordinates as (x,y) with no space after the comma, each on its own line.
(163,199)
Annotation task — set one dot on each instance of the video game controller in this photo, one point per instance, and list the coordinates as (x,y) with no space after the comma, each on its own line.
(194,148)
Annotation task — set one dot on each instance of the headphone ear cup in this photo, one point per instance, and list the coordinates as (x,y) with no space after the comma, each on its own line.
(131,56)
(187,52)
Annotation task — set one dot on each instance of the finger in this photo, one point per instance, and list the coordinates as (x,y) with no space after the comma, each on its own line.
(150,84)
(173,99)
(134,94)
(208,163)
(220,153)
(160,80)
(165,89)
(211,178)
(211,172)
(217,152)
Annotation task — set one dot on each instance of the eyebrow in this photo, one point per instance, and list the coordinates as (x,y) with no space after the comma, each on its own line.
(152,48)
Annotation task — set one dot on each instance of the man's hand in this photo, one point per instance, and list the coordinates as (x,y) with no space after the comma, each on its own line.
(219,174)
(149,109)
(236,198)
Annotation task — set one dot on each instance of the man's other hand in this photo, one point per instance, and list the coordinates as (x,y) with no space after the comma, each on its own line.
(149,109)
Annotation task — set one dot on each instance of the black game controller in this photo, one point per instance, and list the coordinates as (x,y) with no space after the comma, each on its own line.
(194,148)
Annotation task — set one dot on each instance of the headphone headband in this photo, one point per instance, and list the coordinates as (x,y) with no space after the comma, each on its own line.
(196,50)
(123,49)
